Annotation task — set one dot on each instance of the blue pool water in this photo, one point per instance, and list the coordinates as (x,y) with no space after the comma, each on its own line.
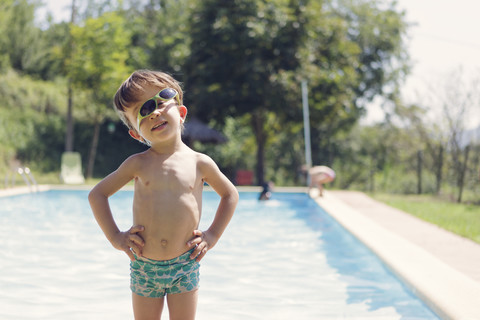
(279,259)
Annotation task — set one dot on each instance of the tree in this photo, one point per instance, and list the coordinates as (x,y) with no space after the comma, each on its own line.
(32,137)
(70,49)
(241,51)
(5,14)
(452,99)
(458,99)
(22,45)
(434,141)
(99,66)
(159,34)
(248,57)
(355,52)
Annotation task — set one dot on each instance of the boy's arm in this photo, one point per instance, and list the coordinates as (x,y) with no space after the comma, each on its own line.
(98,199)
(205,240)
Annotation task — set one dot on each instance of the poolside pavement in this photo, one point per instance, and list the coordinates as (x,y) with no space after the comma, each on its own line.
(443,269)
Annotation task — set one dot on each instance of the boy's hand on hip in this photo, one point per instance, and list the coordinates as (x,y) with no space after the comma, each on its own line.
(203,242)
(130,241)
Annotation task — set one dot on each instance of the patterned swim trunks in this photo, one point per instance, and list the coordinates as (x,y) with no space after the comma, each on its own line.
(155,279)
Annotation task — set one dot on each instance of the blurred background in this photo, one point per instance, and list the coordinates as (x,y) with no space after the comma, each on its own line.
(242,64)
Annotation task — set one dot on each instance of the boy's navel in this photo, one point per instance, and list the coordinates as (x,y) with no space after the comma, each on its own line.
(164,243)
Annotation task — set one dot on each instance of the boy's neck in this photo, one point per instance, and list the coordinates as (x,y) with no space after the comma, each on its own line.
(167,148)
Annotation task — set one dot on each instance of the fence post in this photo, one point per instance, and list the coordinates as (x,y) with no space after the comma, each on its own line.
(461,180)
(419,171)
(438,170)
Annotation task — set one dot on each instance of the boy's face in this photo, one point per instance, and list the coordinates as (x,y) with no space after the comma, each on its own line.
(167,118)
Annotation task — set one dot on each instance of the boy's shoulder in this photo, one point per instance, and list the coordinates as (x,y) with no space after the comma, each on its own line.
(138,156)
(198,156)
(205,163)
(202,157)
(136,159)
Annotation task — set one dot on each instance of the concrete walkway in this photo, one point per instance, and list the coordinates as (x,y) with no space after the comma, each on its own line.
(460,253)
(443,269)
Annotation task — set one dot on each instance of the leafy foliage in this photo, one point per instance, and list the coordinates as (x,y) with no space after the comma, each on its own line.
(159,32)
(100,54)
(242,63)
(31,121)
(22,44)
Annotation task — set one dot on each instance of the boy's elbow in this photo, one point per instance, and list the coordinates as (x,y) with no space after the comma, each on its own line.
(237,196)
(93,196)
(234,195)
(231,196)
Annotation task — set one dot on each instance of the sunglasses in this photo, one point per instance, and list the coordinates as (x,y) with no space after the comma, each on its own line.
(152,104)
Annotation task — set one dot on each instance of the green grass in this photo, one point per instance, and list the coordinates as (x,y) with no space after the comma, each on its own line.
(462,219)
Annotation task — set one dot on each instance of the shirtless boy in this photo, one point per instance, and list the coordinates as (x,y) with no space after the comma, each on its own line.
(164,243)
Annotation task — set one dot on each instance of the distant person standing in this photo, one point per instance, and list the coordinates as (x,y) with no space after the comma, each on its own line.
(320,175)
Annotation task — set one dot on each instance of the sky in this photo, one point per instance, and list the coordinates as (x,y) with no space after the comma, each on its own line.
(445,36)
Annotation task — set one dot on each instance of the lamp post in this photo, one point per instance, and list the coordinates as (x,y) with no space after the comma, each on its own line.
(306,128)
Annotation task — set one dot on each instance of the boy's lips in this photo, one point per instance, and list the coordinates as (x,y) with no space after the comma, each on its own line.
(159,125)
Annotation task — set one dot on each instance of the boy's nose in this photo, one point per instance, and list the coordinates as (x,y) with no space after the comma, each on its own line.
(156,113)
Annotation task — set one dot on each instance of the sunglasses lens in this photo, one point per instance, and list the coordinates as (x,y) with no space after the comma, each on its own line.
(150,106)
(167,94)
(147,108)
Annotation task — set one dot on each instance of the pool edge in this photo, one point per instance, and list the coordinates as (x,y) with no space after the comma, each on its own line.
(449,293)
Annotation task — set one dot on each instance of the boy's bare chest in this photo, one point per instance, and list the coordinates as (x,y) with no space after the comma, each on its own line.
(170,174)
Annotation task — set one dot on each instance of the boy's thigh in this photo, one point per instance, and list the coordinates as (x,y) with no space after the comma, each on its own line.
(182,306)
(145,308)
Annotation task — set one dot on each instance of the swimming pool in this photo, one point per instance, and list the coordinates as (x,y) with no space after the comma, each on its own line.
(279,259)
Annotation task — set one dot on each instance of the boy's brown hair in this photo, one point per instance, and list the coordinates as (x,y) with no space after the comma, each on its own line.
(135,85)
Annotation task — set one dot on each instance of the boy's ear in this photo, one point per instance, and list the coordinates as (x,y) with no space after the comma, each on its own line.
(183,112)
(134,134)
